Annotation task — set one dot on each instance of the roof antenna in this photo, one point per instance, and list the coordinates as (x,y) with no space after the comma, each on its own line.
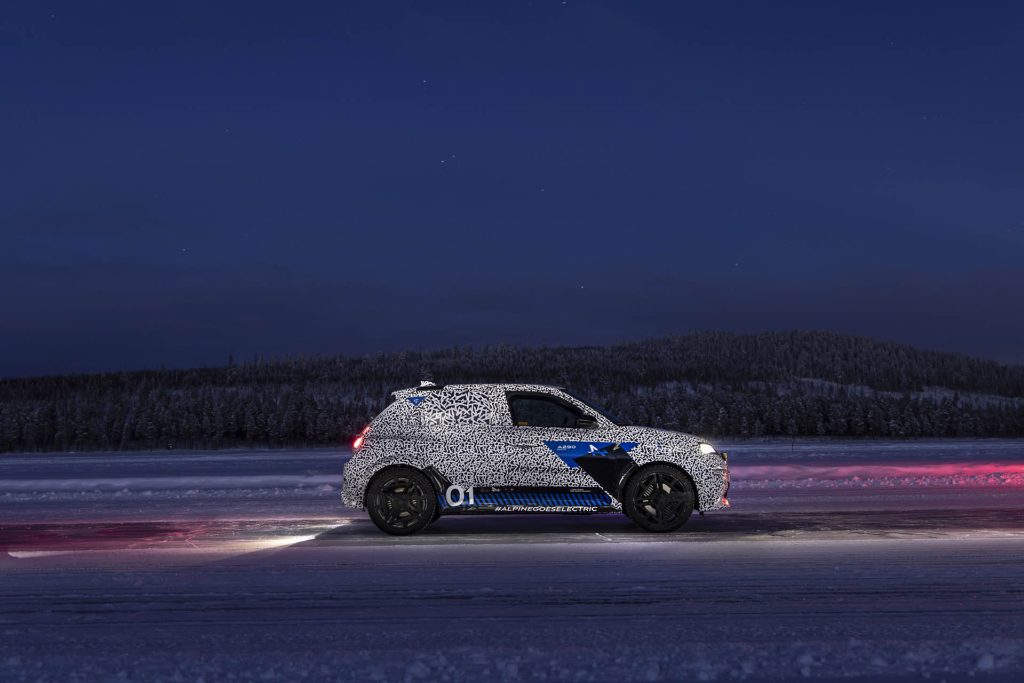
(425,383)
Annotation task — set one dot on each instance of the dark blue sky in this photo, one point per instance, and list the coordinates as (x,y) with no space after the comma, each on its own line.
(181,182)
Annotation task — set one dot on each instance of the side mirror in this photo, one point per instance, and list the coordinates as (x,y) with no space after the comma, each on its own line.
(586,422)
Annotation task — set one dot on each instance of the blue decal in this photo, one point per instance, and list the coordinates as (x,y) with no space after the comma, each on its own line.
(568,451)
(416,400)
(538,498)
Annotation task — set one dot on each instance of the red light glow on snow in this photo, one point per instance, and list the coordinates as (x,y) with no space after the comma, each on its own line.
(940,474)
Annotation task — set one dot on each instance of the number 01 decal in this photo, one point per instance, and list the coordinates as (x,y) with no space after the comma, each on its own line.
(456,496)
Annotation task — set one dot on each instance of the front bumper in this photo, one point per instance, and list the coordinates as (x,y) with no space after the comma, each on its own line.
(722,501)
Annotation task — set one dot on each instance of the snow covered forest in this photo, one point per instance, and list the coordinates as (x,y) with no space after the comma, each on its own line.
(712,384)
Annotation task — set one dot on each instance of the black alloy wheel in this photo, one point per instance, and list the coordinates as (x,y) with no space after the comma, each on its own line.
(401,501)
(659,498)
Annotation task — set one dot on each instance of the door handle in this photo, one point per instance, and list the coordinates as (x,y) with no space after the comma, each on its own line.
(523,445)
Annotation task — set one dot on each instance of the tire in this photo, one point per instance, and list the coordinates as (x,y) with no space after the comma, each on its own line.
(659,498)
(401,501)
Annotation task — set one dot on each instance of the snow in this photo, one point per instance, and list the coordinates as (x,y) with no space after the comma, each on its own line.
(868,561)
(962,474)
(128,484)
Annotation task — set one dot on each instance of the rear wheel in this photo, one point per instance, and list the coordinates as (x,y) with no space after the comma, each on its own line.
(401,501)
(659,498)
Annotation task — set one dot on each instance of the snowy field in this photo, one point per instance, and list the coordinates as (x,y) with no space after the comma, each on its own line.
(869,561)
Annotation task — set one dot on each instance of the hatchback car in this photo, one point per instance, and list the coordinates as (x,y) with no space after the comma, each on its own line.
(524,448)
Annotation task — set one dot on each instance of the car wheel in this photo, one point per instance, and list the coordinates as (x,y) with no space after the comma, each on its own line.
(401,501)
(659,498)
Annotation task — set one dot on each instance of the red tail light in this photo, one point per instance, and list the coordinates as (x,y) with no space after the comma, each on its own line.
(358,443)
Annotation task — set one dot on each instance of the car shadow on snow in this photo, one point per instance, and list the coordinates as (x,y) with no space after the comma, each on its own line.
(719,526)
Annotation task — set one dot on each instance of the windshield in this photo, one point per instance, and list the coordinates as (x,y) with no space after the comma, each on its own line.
(590,404)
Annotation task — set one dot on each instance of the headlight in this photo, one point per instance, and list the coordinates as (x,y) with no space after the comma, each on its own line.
(707,449)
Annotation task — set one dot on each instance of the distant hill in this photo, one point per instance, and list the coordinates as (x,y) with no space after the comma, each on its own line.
(714,384)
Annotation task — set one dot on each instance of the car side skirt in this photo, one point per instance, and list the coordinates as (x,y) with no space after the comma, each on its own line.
(527,499)
(453,500)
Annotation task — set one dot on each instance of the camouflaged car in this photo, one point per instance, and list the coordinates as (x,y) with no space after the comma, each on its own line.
(524,448)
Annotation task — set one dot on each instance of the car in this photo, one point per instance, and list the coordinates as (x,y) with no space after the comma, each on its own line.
(461,449)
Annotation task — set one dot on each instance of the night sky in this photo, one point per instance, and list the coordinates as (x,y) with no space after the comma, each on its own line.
(182,182)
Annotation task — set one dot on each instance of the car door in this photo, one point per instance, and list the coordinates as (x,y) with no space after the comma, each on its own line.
(545,429)
(461,421)
(582,449)
(472,443)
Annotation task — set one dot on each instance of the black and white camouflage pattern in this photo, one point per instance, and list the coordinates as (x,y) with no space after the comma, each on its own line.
(465,432)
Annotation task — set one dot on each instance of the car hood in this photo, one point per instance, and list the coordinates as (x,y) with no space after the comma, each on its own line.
(653,436)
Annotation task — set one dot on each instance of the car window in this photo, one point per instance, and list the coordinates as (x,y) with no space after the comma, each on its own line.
(595,406)
(537,411)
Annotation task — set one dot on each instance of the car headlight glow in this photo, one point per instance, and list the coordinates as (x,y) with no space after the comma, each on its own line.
(707,449)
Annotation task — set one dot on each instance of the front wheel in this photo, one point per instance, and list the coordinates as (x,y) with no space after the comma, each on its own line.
(401,501)
(659,498)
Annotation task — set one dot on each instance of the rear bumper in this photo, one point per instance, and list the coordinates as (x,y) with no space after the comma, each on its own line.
(352,496)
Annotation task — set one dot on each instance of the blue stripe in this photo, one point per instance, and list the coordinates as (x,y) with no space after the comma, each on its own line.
(539,498)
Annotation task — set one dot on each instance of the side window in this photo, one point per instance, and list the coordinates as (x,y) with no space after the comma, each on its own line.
(459,408)
(537,411)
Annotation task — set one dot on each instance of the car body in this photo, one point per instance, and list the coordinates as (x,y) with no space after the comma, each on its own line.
(522,448)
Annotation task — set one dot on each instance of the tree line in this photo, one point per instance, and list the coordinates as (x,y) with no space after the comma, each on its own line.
(712,384)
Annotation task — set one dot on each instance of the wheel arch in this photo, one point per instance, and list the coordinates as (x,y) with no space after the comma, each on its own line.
(396,466)
(631,472)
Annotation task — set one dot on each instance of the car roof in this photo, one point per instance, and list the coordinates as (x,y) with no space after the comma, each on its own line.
(508,386)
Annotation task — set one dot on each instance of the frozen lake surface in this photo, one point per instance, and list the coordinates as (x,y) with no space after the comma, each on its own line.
(864,560)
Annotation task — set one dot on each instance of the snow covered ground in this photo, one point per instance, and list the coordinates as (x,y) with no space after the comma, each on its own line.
(839,560)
